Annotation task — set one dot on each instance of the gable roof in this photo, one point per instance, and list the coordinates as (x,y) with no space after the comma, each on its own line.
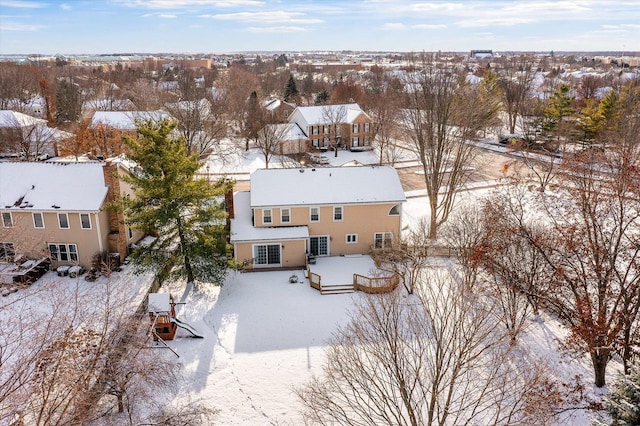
(9,118)
(313,115)
(41,186)
(325,185)
(126,120)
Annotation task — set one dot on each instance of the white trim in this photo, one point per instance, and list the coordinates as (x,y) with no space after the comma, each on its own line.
(264,222)
(10,220)
(60,223)
(282,209)
(328,237)
(80,217)
(68,252)
(341,213)
(399,206)
(310,214)
(383,238)
(355,239)
(99,233)
(33,216)
(266,265)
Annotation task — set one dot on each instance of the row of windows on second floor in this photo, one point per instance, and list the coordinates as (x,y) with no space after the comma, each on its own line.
(283,216)
(42,221)
(325,130)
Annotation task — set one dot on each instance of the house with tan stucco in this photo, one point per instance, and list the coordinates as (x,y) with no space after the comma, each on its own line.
(59,210)
(290,215)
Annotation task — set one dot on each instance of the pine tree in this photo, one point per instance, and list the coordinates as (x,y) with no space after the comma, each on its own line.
(623,402)
(170,202)
(291,90)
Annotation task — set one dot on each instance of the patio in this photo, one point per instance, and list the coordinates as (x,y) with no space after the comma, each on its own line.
(346,274)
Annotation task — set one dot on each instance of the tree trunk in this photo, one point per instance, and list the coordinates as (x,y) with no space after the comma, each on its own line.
(599,359)
(187,261)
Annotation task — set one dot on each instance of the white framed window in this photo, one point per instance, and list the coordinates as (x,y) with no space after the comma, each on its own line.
(314,142)
(266,254)
(85,221)
(395,210)
(382,240)
(266,216)
(7,252)
(38,220)
(356,128)
(314,214)
(351,238)
(366,127)
(319,245)
(326,129)
(355,141)
(63,252)
(63,221)
(337,213)
(314,130)
(7,220)
(285,215)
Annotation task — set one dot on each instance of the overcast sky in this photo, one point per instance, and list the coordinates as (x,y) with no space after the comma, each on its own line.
(221,26)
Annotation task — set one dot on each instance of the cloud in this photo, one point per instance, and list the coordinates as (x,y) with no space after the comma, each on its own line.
(428,26)
(178,4)
(271,17)
(19,27)
(394,26)
(65,6)
(21,4)
(276,29)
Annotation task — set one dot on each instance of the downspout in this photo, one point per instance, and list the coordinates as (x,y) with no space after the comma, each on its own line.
(99,233)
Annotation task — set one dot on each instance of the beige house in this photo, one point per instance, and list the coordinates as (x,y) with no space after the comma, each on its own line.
(58,210)
(323,125)
(290,214)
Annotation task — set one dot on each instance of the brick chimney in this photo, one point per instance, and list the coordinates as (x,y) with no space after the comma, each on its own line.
(228,202)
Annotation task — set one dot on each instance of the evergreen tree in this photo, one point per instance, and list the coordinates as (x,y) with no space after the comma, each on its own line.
(171,203)
(69,104)
(290,91)
(322,97)
(557,113)
(623,402)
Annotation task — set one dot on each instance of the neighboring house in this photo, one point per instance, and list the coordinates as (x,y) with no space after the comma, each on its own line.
(281,110)
(288,137)
(322,125)
(28,136)
(59,210)
(125,121)
(290,214)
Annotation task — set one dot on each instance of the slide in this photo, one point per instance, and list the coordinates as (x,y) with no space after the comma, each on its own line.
(187,327)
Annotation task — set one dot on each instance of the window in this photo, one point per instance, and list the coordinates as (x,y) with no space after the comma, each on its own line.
(395,210)
(356,128)
(7,252)
(319,246)
(314,142)
(85,221)
(382,240)
(266,254)
(63,220)
(7,220)
(314,214)
(355,141)
(326,129)
(266,215)
(351,238)
(314,130)
(285,215)
(337,213)
(63,252)
(366,127)
(130,232)
(38,220)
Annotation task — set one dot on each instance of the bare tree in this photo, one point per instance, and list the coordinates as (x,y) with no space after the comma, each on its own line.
(435,358)
(269,139)
(334,116)
(437,122)
(516,84)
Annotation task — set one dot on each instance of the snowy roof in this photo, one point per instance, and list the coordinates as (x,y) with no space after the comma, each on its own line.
(9,118)
(126,120)
(325,185)
(41,186)
(288,131)
(159,302)
(317,114)
(242,228)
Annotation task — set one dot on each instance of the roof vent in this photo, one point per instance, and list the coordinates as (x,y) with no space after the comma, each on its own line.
(313,170)
(55,207)
(301,170)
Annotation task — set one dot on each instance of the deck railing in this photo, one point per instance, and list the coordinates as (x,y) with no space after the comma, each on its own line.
(375,285)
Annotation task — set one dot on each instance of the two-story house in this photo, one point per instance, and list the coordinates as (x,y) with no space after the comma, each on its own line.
(289,214)
(323,126)
(58,210)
